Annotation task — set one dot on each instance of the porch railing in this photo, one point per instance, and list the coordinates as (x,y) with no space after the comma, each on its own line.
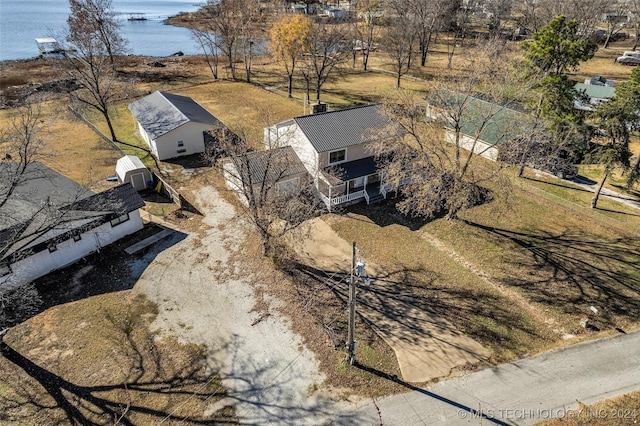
(347,197)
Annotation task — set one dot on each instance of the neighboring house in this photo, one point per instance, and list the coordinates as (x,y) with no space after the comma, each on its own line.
(277,169)
(131,170)
(333,148)
(333,13)
(172,125)
(49,222)
(484,126)
(594,95)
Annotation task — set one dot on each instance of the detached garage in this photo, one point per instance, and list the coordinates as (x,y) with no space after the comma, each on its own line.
(130,169)
(172,125)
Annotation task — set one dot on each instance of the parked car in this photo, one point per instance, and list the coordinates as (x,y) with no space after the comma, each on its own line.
(562,168)
(628,60)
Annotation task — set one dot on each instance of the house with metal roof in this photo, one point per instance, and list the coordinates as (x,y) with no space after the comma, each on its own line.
(594,94)
(477,125)
(172,125)
(268,171)
(49,222)
(333,146)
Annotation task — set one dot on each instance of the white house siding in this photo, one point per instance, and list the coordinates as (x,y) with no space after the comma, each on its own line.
(191,134)
(39,264)
(293,136)
(232,179)
(481,148)
(354,152)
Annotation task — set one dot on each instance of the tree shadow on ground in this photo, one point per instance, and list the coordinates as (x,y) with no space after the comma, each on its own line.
(566,184)
(109,270)
(473,413)
(574,272)
(264,394)
(411,304)
(385,213)
(142,379)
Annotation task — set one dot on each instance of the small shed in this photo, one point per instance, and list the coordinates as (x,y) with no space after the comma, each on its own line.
(130,169)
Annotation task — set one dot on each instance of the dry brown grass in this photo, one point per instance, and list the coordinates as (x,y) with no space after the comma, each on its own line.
(621,410)
(86,361)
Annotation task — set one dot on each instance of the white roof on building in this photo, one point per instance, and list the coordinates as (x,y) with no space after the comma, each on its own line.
(128,163)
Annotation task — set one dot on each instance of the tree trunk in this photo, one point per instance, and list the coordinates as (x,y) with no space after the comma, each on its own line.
(398,80)
(290,89)
(110,125)
(594,201)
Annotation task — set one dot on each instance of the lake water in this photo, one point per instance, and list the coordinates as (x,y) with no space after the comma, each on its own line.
(21,22)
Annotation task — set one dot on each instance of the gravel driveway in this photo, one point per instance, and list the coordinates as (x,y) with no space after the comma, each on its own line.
(270,376)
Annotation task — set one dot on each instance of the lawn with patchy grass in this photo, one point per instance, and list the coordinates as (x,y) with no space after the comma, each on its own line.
(518,274)
(621,410)
(95,360)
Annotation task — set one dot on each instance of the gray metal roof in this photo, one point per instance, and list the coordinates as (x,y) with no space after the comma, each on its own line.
(333,130)
(271,165)
(162,112)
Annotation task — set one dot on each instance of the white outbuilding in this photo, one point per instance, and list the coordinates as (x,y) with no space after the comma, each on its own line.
(130,169)
(172,125)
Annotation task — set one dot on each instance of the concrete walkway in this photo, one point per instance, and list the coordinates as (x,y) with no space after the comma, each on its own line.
(523,392)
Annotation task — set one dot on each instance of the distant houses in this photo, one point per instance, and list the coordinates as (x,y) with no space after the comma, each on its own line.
(593,92)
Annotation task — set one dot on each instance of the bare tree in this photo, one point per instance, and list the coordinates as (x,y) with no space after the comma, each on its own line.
(368,19)
(634,6)
(95,20)
(328,47)
(429,18)
(209,44)
(498,11)
(276,192)
(398,38)
(233,23)
(88,63)
(535,14)
(616,19)
(439,171)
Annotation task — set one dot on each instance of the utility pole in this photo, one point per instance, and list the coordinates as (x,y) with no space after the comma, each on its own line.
(352,308)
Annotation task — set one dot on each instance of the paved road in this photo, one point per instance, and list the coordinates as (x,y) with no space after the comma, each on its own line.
(523,392)
(616,196)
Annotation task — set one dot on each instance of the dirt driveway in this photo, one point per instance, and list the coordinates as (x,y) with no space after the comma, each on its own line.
(270,376)
(426,346)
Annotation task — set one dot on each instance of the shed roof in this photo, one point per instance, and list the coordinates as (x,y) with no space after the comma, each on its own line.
(128,163)
(333,130)
(162,112)
(270,164)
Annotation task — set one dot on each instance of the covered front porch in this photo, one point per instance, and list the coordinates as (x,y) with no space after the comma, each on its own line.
(351,182)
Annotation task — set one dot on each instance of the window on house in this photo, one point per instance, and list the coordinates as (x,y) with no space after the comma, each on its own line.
(180,151)
(77,238)
(5,269)
(180,143)
(52,248)
(337,156)
(120,219)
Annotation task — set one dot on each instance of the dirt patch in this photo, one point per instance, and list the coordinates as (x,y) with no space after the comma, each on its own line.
(427,347)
